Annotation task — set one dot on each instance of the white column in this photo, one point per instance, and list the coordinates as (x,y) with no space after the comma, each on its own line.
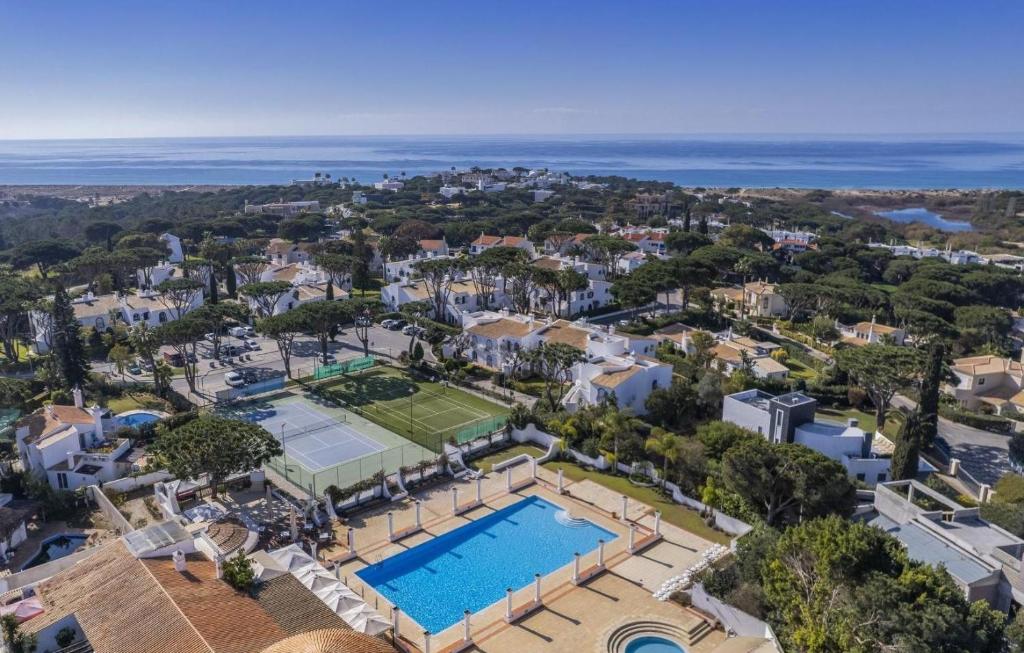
(391,525)
(479,489)
(632,537)
(625,506)
(533,467)
(508,479)
(560,482)
(351,541)
(575,567)
(337,570)
(455,500)
(426,641)
(536,589)
(417,514)
(600,553)
(465,626)
(508,604)
(657,523)
(394,620)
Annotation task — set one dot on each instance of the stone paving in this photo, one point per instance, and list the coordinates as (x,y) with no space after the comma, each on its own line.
(572,618)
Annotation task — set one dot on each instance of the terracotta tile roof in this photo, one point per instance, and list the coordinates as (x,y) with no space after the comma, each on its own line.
(285,272)
(615,379)
(878,328)
(431,245)
(100,306)
(332,641)
(565,333)
(502,327)
(732,294)
(513,241)
(229,622)
(727,353)
(760,287)
(71,414)
(228,534)
(548,263)
(118,604)
(974,365)
(486,240)
(294,608)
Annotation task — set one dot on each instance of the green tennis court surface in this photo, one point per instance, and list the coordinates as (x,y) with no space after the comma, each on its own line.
(425,412)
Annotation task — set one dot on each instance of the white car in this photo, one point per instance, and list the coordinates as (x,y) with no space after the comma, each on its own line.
(410,329)
(234,379)
(387,323)
(242,331)
(251,344)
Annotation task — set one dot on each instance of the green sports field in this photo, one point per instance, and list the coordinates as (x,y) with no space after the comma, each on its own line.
(425,412)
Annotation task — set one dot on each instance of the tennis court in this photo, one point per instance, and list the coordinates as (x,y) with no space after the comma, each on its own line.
(323,443)
(426,412)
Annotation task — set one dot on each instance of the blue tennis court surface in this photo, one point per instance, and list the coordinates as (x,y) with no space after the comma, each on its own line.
(311,438)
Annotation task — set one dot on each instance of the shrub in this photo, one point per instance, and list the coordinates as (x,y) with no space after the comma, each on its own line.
(591,447)
(238,572)
(65,636)
(856,396)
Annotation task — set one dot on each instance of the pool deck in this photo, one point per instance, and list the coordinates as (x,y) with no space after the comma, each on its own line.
(572,617)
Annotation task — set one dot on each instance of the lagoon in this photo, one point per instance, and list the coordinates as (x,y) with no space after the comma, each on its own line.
(926,217)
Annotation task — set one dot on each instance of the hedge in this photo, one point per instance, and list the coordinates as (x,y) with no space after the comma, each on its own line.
(992,423)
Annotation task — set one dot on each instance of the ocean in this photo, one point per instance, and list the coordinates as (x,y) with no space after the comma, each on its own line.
(891,162)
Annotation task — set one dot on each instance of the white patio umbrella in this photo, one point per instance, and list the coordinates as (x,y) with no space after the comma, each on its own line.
(365,619)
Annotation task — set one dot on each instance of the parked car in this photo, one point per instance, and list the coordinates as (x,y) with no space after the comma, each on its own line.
(251,344)
(329,359)
(364,321)
(395,325)
(144,364)
(231,350)
(234,379)
(410,329)
(250,377)
(174,359)
(387,323)
(242,331)
(211,336)
(134,369)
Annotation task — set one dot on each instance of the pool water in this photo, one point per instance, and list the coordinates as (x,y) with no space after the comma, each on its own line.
(653,644)
(57,547)
(136,419)
(470,568)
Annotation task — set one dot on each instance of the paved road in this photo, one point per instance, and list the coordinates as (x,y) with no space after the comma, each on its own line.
(982,454)
(267,360)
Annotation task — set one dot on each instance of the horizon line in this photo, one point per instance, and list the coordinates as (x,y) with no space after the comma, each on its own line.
(554,135)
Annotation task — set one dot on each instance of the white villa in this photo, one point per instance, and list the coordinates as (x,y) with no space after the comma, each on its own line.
(282,252)
(174,247)
(614,364)
(462,298)
(69,447)
(869,333)
(485,242)
(406,268)
(597,293)
(309,284)
(284,209)
(101,312)
(992,380)
(792,418)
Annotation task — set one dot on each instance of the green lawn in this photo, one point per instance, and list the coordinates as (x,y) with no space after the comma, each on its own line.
(671,512)
(427,413)
(137,401)
(487,462)
(798,370)
(865,420)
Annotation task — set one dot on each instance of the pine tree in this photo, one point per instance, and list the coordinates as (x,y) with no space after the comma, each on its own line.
(68,349)
(362,254)
(929,403)
(908,445)
(704,225)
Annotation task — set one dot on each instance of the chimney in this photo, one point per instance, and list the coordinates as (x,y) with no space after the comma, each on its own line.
(179,561)
(97,420)
(77,394)
(71,460)
(218,562)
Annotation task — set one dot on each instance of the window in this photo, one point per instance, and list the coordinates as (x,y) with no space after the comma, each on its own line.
(881,477)
(861,477)
(135,317)
(62,481)
(162,317)
(100,324)
(981,380)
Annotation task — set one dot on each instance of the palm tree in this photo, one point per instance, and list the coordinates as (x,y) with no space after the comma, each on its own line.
(615,424)
(666,445)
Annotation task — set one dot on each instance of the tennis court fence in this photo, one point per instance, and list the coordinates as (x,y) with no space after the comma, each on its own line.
(387,462)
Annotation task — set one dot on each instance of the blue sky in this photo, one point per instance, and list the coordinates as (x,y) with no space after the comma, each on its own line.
(201,68)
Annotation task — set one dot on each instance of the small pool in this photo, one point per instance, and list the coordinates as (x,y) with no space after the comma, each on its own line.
(56,547)
(653,644)
(137,418)
(470,568)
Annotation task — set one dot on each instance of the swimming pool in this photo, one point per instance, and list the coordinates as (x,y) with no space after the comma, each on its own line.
(55,547)
(470,567)
(137,418)
(653,644)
